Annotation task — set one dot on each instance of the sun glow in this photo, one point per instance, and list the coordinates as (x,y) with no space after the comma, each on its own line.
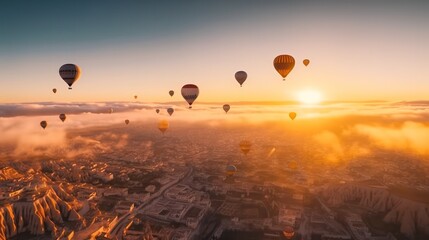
(309,97)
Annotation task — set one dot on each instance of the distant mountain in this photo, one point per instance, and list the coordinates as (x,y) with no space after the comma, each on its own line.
(410,215)
(8,173)
(45,212)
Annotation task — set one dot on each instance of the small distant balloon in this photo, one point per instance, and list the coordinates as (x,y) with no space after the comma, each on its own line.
(292,115)
(111,110)
(163,125)
(170,111)
(288,232)
(241,77)
(292,165)
(70,73)
(157,110)
(190,92)
(54,90)
(226,108)
(62,117)
(127,121)
(245,146)
(231,170)
(171,92)
(43,124)
(135,96)
(306,62)
(284,65)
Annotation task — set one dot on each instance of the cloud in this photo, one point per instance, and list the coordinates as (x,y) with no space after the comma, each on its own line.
(409,136)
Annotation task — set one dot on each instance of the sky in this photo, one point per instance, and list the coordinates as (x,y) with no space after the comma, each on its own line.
(359,50)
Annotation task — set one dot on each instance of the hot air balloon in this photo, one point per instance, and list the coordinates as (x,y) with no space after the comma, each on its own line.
(135,96)
(171,92)
(170,111)
(190,93)
(62,117)
(54,90)
(157,110)
(111,110)
(70,73)
(226,108)
(127,121)
(241,76)
(231,170)
(284,64)
(288,232)
(292,115)
(43,124)
(306,62)
(163,126)
(292,165)
(245,146)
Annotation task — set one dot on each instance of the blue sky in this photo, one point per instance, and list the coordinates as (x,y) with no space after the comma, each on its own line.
(360,50)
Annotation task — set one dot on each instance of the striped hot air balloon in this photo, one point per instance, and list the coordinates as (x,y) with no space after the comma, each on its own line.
(190,93)
(284,64)
(70,73)
(231,170)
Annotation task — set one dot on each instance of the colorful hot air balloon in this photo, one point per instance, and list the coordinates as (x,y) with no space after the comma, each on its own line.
(226,108)
(170,111)
(245,146)
(284,64)
(288,232)
(43,124)
(292,115)
(127,121)
(54,90)
(241,76)
(70,73)
(190,93)
(62,117)
(231,170)
(135,96)
(171,92)
(157,110)
(306,62)
(163,125)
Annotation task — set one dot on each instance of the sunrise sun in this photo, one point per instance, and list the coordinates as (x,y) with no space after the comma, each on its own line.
(309,97)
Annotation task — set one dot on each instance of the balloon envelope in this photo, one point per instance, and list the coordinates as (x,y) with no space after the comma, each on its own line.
(62,117)
(170,111)
(306,62)
(231,170)
(43,124)
(157,110)
(284,64)
(241,76)
(226,107)
(171,92)
(245,146)
(190,93)
(127,121)
(54,90)
(135,96)
(111,110)
(292,115)
(163,125)
(288,232)
(70,73)
(292,165)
